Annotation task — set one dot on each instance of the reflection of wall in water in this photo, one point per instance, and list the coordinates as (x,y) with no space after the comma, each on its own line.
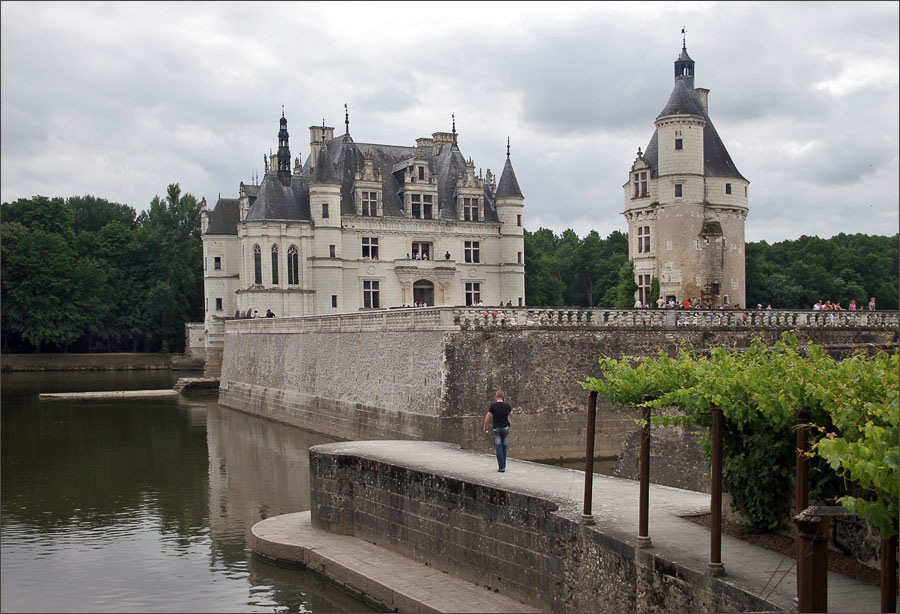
(257,469)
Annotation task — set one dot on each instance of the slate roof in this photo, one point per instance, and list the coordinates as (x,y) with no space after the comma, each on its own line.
(224,217)
(275,201)
(508,185)
(684,101)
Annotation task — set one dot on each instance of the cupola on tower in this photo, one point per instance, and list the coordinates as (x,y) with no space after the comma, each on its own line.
(686,204)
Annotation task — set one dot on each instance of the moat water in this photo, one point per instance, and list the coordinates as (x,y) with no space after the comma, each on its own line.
(145,505)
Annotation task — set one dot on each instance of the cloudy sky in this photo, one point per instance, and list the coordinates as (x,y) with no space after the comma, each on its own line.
(120,99)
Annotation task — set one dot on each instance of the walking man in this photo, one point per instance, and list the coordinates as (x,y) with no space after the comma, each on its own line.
(499,411)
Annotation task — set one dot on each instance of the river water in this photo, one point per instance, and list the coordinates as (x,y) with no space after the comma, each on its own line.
(145,505)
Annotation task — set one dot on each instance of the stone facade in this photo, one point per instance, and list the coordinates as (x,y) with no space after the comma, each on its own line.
(362,226)
(686,203)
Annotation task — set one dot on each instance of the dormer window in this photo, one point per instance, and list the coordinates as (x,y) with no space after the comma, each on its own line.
(369,203)
(470,209)
(422,173)
(421,206)
(640,184)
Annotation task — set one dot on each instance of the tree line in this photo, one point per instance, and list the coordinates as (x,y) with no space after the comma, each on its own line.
(83,274)
(564,270)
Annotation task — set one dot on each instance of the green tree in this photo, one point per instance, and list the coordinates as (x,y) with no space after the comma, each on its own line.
(654,292)
(626,286)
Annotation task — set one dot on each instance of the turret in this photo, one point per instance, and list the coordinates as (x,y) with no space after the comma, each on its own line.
(510,205)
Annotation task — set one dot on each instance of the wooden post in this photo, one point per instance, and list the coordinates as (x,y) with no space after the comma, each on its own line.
(643,528)
(587,517)
(715,504)
(812,561)
(801,499)
(889,574)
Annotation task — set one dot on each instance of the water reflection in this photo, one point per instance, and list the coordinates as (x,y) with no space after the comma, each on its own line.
(145,505)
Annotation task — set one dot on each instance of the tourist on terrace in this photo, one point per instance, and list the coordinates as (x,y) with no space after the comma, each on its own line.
(637,304)
(499,411)
(269,313)
(872,304)
(852,305)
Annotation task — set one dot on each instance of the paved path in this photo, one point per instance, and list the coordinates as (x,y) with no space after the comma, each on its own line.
(615,510)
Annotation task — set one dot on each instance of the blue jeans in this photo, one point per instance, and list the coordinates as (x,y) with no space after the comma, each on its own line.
(501,436)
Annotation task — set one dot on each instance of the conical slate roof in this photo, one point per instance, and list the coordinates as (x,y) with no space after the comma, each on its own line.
(683,101)
(508,185)
(324,171)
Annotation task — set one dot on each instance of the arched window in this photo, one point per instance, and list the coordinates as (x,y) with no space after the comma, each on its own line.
(257,265)
(274,265)
(293,262)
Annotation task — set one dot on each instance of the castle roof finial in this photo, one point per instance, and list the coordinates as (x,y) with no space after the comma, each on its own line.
(282,110)
(507,148)
(453,117)
(346,120)
(683,40)
(323,130)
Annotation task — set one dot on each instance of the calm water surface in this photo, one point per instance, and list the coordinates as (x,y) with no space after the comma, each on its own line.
(145,505)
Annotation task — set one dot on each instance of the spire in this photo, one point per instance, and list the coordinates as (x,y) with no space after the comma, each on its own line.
(508,186)
(346,120)
(684,65)
(284,152)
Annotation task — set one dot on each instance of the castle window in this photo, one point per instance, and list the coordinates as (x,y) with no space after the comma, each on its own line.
(324,210)
(218,304)
(293,260)
(370,203)
(519,259)
(643,282)
(371,294)
(257,265)
(334,301)
(217,263)
(274,265)
(640,184)
(427,206)
(415,202)
(728,188)
(421,251)
(370,248)
(643,240)
(472,251)
(331,251)
(677,190)
(470,209)
(422,172)
(518,220)
(473,292)
(679,144)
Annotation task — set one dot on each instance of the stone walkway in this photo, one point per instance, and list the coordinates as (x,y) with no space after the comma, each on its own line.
(615,510)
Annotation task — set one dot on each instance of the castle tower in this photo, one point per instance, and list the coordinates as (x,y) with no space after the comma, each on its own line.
(686,203)
(510,204)
(325,211)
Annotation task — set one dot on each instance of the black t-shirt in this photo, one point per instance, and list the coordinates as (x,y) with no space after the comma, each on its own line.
(500,412)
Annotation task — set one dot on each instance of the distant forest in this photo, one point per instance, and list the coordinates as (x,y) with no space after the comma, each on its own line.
(83,274)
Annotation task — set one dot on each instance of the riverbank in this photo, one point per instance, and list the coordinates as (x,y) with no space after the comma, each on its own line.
(100,362)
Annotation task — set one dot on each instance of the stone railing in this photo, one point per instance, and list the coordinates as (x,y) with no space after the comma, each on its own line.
(468,318)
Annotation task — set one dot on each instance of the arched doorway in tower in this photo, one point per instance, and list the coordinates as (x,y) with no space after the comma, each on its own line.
(423,292)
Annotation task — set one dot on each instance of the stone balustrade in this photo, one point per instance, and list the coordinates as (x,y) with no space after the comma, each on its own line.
(469,318)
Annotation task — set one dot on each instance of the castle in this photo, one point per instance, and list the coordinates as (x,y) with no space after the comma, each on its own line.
(362,226)
(686,203)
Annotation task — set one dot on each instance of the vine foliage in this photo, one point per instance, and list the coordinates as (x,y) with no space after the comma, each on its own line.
(854,416)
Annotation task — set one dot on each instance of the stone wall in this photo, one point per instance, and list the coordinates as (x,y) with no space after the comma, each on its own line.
(419,374)
(521,545)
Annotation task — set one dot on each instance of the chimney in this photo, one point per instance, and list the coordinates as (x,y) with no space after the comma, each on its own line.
(703,95)
(315,142)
